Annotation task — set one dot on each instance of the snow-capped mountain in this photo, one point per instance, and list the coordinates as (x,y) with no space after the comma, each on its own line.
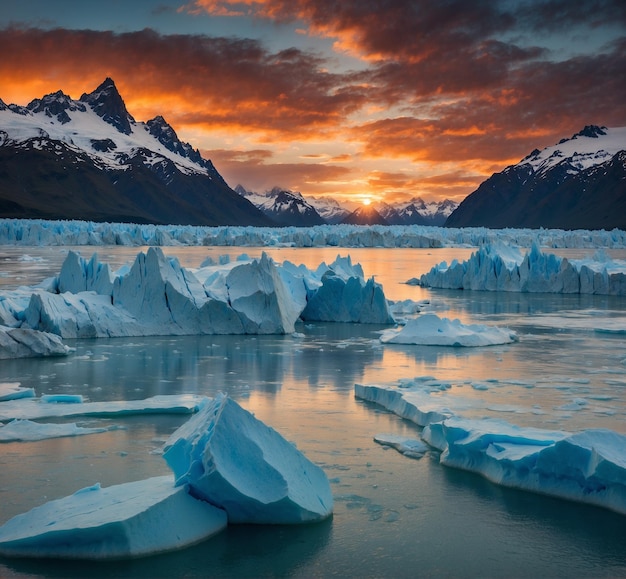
(289,208)
(416,212)
(579,183)
(90,159)
(330,210)
(283,207)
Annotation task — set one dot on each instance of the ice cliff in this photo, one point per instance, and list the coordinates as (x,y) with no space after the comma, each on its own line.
(499,267)
(587,467)
(156,296)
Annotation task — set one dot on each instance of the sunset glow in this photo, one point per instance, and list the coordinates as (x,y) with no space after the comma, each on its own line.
(318,97)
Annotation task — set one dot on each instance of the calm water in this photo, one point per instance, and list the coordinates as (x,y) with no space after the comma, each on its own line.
(394,516)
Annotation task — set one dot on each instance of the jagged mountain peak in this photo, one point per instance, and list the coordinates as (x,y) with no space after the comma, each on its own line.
(591,131)
(280,191)
(56,105)
(107,103)
(161,130)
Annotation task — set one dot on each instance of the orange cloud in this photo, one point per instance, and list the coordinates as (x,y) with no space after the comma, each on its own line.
(440,100)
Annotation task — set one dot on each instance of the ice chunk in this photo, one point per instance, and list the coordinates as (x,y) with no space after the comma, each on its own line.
(27,343)
(237,463)
(258,294)
(62,398)
(13,391)
(588,466)
(431,330)
(498,267)
(33,409)
(126,520)
(28,431)
(345,296)
(410,447)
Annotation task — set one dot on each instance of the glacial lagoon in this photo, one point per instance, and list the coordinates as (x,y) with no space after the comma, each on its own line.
(394,516)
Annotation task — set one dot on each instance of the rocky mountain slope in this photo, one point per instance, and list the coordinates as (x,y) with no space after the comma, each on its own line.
(89,159)
(579,183)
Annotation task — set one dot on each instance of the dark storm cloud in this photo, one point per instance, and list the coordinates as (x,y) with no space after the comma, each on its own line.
(221,81)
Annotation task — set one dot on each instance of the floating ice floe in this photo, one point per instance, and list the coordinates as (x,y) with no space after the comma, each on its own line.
(34,408)
(13,391)
(28,431)
(234,461)
(410,447)
(499,267)
(431,330)
(228,467)
(156,296)
(29,343)
(588,467)
(126,520)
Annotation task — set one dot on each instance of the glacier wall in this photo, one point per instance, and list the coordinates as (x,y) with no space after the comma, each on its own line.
(35,232)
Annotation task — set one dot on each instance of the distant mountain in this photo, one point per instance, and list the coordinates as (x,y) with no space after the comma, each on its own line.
(283,207)
(579,183)
(288,208)
(365,215)
(329,209)
(416,212)
(89,159)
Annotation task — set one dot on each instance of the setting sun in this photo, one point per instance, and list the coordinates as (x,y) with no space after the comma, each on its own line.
(366,201)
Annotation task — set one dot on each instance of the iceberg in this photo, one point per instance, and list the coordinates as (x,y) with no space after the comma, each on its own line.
(431,330)
(587,467)
(156,296)
(344,296)
(127,520)
(499,267)
(234,461)
(13,391)
(30,343)
(229,467)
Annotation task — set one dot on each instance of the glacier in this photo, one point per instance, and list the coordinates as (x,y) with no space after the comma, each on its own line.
(499,267)
(431,330)
(40,232)
(587,466)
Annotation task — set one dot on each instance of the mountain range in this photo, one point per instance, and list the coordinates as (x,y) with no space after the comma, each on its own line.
(579,183)
(89,159)
(292,208)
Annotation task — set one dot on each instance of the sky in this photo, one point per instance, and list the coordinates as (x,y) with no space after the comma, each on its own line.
(361,100)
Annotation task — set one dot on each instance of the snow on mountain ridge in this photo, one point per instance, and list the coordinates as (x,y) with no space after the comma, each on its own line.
(79,125)
(591,146)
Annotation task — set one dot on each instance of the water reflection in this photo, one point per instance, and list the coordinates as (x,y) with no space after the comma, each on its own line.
(239,551)
(394,516)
